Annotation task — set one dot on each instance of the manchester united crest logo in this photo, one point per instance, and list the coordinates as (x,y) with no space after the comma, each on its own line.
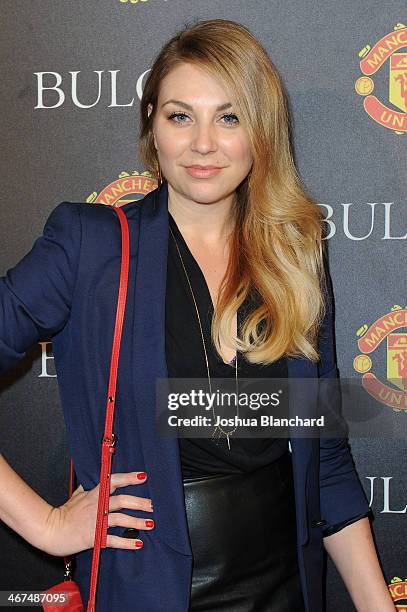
(398,591)
(128,187)
(386,51)
(389,330)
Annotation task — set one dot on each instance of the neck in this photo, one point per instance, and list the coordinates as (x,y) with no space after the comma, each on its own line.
(208,223)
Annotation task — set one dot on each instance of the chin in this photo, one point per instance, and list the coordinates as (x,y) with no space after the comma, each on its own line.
(207,198)
(206,194)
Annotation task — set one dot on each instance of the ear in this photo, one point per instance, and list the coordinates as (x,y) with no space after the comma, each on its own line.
(149,111)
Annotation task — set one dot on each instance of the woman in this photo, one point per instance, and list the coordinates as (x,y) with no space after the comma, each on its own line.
(229,240)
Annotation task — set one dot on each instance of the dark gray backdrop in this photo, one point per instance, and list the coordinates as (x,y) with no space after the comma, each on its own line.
(55,150)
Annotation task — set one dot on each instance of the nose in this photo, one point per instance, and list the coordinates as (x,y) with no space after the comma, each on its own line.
(203,138)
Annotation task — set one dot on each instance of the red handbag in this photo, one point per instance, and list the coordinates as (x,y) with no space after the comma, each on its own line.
(72,602)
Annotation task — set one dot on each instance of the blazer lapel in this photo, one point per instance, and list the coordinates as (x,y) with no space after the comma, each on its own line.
(161,455)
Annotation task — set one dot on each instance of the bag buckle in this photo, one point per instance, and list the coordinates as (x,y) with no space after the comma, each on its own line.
(109,441)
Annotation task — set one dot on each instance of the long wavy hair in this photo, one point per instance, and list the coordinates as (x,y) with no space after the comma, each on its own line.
(276,252)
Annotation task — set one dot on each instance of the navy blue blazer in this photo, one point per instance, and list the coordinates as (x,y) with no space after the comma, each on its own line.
(66,288)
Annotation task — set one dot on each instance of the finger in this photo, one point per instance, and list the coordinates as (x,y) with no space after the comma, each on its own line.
(118,542)
(124,479)
(117,502)
(118,519)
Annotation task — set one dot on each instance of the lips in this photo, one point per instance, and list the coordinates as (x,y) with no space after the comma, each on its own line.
(202,172)
(197,167)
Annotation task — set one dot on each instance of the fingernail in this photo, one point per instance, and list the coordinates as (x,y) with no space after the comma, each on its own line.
(138,544)
(149,523)
(142,475)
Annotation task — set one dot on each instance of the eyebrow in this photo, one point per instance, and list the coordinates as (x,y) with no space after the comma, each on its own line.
(189,107)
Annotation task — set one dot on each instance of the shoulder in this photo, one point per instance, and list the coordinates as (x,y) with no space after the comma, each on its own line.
(89,216)
(98,212)
(92,231)
(95,209)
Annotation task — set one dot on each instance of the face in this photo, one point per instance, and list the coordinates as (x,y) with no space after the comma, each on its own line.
(202,148)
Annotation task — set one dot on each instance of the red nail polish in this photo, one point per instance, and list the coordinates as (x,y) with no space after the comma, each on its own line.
(149,523)
(141,476)
(139,544)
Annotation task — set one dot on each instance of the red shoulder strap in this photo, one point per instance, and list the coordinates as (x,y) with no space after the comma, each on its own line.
(109,439)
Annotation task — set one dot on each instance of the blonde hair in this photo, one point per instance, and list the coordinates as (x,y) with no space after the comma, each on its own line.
(276,250)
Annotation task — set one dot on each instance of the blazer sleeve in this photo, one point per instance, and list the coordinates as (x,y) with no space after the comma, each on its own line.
(36,294)
(335,528)
(342,496)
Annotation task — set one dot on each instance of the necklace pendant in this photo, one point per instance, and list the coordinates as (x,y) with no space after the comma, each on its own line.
(227,436)
(218,434)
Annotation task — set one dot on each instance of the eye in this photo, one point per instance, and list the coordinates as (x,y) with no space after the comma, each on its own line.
(175,116)
(178,117)
(236,120)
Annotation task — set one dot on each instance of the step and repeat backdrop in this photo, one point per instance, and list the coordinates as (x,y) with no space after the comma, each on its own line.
(72,76)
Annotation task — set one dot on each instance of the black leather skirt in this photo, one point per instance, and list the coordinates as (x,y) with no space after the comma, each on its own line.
(243,537)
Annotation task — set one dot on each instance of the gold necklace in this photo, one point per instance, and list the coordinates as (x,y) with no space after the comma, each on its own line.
(218,431)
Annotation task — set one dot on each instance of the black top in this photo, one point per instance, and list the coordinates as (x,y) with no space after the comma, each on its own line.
(186,359)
